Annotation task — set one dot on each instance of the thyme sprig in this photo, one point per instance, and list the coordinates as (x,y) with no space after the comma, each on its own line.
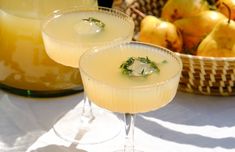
(139,66)
(95,21)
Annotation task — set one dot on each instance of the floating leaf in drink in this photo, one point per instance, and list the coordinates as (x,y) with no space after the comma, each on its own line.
(139,66)
(89,26)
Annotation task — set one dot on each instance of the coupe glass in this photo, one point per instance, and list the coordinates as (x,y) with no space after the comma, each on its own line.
(67,34)
(115,78)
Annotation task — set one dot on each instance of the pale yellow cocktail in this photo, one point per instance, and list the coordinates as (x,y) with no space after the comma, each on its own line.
(109,88)
(68,36)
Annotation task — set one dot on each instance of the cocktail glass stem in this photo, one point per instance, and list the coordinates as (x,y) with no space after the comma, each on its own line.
(129,130)
(87,114)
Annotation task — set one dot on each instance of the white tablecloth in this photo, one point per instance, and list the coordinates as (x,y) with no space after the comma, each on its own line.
(190,123)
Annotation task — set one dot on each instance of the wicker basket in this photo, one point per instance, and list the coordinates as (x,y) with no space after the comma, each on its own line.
(200,75)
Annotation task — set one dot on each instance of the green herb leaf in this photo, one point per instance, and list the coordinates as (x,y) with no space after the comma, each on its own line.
(164,61)
(139,66)
(95,21)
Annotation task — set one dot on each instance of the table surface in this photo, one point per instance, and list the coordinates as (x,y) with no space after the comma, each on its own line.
(190,123)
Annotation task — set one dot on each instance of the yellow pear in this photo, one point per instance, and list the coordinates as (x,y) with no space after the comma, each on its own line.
(194,29)
(222,8)
(156,31)
(177,9)
(220,42)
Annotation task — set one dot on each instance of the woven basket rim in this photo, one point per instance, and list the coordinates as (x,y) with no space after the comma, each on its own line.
(205,58)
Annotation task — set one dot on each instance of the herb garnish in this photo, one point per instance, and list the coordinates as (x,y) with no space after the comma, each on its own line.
(139,66)
(95,21)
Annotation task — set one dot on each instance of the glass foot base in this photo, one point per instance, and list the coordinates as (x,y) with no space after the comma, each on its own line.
(103,127)
(122,150)
(41,94)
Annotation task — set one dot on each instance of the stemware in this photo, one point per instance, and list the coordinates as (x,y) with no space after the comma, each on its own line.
(67,34)
(130,78)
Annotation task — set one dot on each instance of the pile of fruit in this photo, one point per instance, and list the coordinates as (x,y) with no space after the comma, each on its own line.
(193,27)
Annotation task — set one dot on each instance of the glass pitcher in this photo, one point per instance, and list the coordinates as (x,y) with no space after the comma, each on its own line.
(25,68)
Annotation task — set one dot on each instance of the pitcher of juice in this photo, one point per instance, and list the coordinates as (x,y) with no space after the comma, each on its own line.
(25,68)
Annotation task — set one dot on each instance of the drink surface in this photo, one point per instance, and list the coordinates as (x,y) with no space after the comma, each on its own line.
(108,87)
(24,63)
(70,32)
(40,8)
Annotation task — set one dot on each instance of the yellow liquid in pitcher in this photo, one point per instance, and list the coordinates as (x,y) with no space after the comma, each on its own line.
(23,61)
